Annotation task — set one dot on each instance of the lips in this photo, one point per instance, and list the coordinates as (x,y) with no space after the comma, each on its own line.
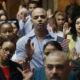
(40,24)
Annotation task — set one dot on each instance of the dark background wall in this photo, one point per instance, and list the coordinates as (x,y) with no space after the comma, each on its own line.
(12,5)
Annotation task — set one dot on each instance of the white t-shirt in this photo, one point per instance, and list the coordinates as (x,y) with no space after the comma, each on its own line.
(59,33)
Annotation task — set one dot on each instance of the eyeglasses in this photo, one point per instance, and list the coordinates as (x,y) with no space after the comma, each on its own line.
(12,21)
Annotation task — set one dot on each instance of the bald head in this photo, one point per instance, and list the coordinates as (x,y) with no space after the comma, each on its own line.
(37,10)
(58,55)
(57,66)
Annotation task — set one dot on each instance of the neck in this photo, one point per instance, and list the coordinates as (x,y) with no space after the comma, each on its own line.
(78,34)
(41,34)
(4,63)
(60,29)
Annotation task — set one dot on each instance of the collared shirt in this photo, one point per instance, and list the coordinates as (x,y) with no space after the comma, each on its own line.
(37,59)
(25,28)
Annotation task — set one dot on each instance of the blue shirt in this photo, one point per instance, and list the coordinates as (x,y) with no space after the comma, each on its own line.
(37,58)
(25,28)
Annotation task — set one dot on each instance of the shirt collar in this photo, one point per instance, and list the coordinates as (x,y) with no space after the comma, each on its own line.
(49,35)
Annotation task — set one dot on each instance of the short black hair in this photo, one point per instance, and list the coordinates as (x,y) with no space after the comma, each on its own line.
(53,43)
(8,40)
(33,2)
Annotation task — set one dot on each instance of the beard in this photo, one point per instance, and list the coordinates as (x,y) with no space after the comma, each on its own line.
(55,77)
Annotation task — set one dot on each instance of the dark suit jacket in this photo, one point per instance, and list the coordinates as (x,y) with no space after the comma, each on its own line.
(14,74)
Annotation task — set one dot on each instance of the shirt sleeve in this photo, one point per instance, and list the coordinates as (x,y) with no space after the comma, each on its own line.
(20,52)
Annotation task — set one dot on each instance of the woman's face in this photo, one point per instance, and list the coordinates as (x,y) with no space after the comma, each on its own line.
(77,25)
(15,29)
(8,49)
(49,48)
(6,31)
(60,20)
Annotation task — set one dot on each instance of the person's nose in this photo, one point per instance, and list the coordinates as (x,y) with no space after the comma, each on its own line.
(39,19)
(54,70)
(7,34)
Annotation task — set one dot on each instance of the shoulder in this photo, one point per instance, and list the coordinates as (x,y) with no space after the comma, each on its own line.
(69,36)
(39,74)
(72,76)
(15,65)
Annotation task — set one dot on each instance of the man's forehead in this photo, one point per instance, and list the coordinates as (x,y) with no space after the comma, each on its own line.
(55,60)
(38,11)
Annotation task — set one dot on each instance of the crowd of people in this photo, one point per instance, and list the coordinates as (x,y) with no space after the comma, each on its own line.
(40,44)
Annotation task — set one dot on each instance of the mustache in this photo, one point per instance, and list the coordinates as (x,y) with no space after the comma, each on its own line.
(55,76)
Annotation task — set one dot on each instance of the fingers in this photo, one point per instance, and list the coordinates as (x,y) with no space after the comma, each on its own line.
(32,46)
(65,43)
(33,69)
(28,45)
(20,70)
(29,49)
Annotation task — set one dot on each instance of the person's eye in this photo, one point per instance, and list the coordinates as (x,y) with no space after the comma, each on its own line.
(46,53)
(10,31)
(60,67)
(77,23)
(36,17)
(43,16)
(3,31)
(5,49)
(50,67)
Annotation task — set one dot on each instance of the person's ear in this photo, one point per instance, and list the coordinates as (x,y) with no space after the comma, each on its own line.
(47,18)
(45,66)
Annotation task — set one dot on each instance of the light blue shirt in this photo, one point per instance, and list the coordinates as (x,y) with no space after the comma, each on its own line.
(37,59)
(25,28)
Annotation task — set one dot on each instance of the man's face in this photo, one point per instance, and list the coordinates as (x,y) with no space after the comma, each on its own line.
(39,19)
(32,7)
(56,68)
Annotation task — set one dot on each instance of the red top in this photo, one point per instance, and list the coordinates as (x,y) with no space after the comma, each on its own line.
(51,26)
(6,72)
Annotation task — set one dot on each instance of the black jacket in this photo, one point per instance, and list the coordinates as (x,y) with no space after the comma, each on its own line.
(14,74)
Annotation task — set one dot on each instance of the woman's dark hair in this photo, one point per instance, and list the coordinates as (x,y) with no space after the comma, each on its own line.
(8,40)
(53,43)
(73,29)
(15,21)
